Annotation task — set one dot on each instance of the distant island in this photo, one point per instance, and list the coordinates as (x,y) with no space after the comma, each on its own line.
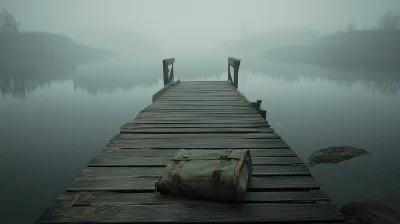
(29,60)
(369,48)
(27,53)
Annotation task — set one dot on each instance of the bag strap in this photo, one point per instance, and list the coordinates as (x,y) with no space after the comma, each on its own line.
(217,172)
(175,176)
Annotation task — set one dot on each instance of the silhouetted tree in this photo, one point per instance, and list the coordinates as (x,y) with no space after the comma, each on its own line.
(351,27)
(8,24)
(390,20)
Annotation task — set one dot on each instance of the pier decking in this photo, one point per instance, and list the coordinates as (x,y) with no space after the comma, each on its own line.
(117,186)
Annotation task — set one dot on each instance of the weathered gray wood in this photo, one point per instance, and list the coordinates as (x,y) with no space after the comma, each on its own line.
(198,136)
(184,213)
(147,152)
(168,77)
(201,120)
(198,108)
(195,141)
(132,184)
(113,198)
(164,89)
(124,160)
(194,112)
(201,125)
(204,88)
(217,117)
(169,61)
(200,113)
(117,186)
(211,99)
(195,130)
(154,172)
(201,103)
(202,95)
(235,63)
(201,143)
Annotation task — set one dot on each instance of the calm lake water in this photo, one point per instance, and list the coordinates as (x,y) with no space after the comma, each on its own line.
(50,126)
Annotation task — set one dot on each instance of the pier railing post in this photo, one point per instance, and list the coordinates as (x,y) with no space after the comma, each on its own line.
(261,111)
(167,75)
(235,63)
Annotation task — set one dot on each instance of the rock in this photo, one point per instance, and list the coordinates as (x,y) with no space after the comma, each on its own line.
(335,154)
(370,213)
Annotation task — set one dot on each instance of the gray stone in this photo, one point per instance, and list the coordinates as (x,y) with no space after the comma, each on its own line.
(335,154)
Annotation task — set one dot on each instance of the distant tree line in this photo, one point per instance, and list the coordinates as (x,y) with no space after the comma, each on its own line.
(8,23)
(390,20)
(30,52)
(371,48)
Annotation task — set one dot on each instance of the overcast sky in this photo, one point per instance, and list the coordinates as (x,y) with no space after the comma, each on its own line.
(192,24)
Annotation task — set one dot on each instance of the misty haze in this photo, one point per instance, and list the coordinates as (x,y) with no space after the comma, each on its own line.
(72,72)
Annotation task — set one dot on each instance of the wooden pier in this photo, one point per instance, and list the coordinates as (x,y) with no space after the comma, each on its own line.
(117,186)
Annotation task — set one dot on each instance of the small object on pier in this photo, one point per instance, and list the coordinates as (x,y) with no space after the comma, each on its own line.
(335,154)
(219,175)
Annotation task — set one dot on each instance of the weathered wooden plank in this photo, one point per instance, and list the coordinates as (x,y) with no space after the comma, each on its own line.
(197,99)
(201,103)
(236,95)
(124,160)
(182,114)
(195,130)
(231,118)
(205,82)
(181,99)
(154,172)
(184,213)
(195,141)
(199,113)
(115,198)
(208,108)
(199,120)
(206,98)
(199,143)
(197,95)
(195,136)
(209,92)
(164,89)
(132,184)
(218,89)
(226,89)
(147,152)
(200,108)
(218,105)
(170,113)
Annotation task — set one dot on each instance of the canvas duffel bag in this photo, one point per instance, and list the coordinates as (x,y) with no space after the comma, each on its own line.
(220,175)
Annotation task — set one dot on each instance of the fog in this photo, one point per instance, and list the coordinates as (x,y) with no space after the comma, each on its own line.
(74,71)
(187,27)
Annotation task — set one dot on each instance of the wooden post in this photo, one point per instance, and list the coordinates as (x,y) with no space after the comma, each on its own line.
(165,73)
(261,111)
(235,63)
(229,73)
(166,76)
(171,79)
(236,76)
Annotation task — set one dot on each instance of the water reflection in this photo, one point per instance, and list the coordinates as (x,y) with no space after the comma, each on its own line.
(109,76)
(383,82)
(20,85)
